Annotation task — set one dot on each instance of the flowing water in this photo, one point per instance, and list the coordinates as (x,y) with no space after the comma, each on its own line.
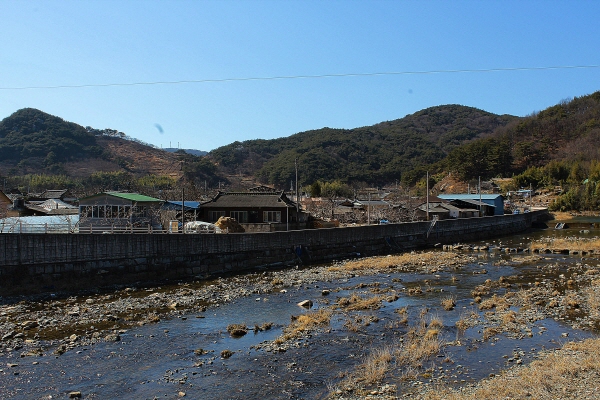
(162,360)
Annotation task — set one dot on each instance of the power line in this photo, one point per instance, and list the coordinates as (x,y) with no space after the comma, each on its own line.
(271,78)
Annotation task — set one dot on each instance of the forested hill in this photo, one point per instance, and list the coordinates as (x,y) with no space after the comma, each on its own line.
(33,142)
(565,135)
(380,153)
(560,141)
(30,133)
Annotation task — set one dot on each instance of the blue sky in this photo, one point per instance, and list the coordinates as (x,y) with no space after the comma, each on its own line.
(99,48)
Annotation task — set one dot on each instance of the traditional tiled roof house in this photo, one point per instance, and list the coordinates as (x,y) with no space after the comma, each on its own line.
(255,211)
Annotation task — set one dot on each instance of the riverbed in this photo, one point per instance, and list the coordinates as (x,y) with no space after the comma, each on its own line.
(172,341)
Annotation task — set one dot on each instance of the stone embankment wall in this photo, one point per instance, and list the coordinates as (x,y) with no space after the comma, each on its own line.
(47,262)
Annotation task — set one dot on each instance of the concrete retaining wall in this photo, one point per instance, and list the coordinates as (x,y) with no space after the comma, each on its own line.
(42,262)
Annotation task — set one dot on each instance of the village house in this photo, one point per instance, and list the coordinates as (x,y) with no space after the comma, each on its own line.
(51,207)
(436,209)
(445,210)
(63,195)
(256,211)
(47,203)
(491,204)
(110,210)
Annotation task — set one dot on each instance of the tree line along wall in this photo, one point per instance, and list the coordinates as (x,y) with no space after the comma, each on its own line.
(48,262)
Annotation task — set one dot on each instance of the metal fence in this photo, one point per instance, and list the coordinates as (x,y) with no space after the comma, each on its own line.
(51,228)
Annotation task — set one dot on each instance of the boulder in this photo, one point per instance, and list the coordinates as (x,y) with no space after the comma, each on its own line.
(306,303)
(29,325)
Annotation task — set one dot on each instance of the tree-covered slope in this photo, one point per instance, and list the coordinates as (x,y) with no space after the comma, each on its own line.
(567,132)
(30,133)
(34,142)
(380,153)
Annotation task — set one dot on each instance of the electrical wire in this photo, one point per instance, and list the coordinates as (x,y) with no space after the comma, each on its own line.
(287,77)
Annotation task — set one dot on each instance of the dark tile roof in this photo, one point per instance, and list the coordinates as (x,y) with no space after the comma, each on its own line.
(249,200)
(53,194)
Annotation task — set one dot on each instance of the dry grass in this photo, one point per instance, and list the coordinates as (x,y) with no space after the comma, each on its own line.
(495,301)
(490,332)
(572,301)
(264,327)
(408,356)
(376,365)
(237,330)
(592,296)
(570,373)
(448,303)
(403,313)
(480,290)
(574,243)
(277,282)
(402,261)
(435,322)
(353,325)
(421,342)
(304,323)
(509,317)
(467,320)
(355,302)
(462,324)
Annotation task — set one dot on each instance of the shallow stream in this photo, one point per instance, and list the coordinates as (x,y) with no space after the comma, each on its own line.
(164,360)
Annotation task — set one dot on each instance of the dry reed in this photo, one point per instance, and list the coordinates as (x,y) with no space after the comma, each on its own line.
(304,323)
(569,373)
(448,303)
(573,243)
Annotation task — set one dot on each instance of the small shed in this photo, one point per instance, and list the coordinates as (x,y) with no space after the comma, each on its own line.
(435,209)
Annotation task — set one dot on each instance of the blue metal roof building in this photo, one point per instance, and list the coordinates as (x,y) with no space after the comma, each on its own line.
(495,200)
(176,205)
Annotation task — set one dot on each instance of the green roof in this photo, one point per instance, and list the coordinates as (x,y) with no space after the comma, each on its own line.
(134,197)
(127,196)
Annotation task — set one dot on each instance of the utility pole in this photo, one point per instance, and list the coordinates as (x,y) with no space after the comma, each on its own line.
(369,209)
(530,196)
(182,210)
(297,194)
(480,208)
(427,186)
